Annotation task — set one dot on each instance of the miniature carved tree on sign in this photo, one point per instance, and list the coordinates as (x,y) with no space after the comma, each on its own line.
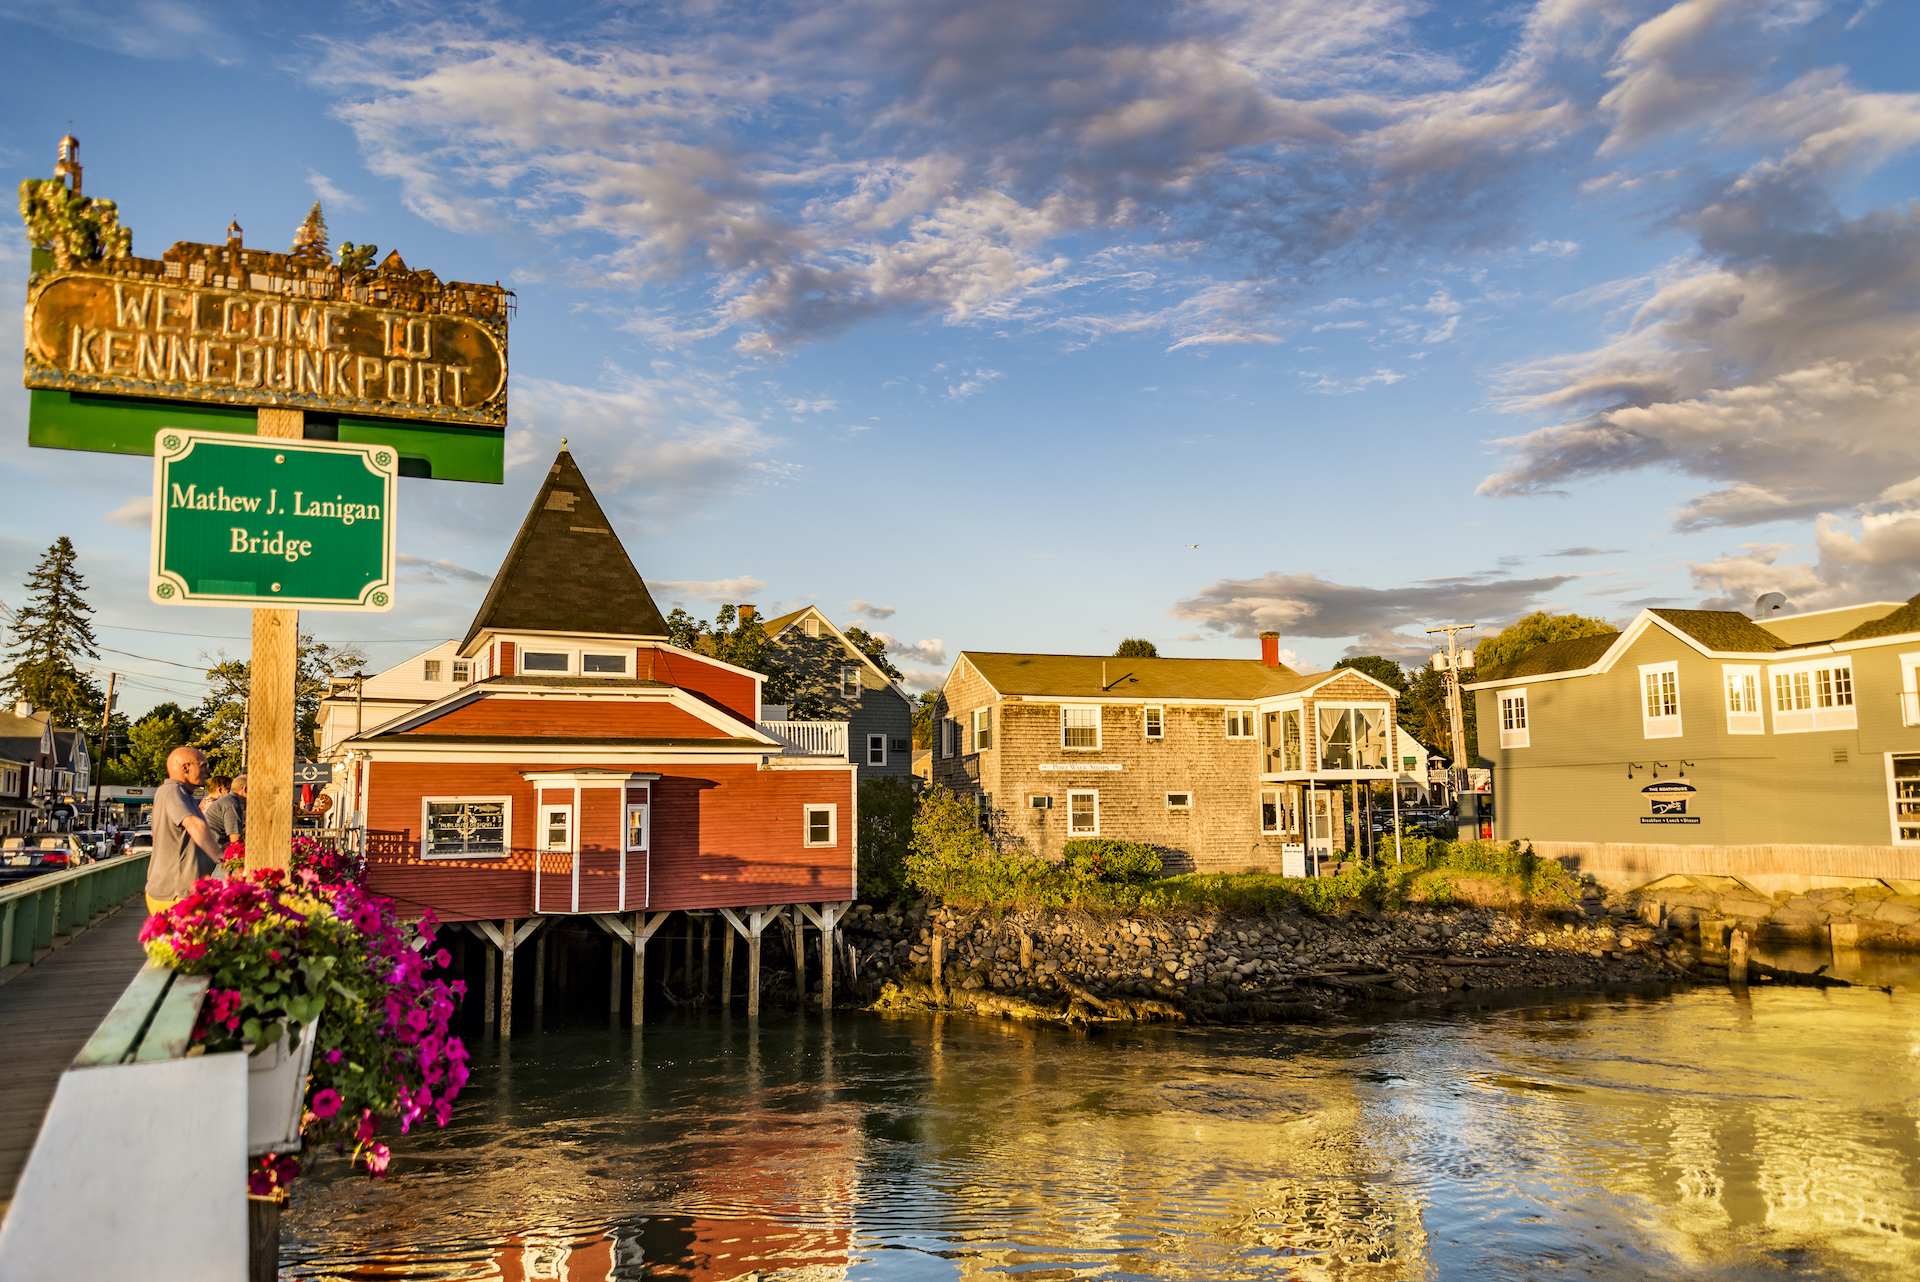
(75,228)
(310,242)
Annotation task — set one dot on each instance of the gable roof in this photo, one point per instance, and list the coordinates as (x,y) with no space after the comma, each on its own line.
(1723,630)
(1080,676)
(20,737)
(1903,620)
(774,627)
(567,570)
(1554,656)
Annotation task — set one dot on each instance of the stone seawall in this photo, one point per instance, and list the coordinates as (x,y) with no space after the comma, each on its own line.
(1855,913)
(1221,967)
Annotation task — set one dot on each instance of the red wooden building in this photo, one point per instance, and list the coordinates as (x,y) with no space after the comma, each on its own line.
(588,768)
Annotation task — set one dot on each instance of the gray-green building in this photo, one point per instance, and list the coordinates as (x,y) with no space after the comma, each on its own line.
(1703,741)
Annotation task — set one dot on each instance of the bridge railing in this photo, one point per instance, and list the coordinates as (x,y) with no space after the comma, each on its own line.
(39,910)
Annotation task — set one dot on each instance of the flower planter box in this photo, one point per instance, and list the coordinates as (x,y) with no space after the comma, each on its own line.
(276,1094)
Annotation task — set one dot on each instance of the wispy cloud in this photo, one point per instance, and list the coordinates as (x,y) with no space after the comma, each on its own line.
(323,188)
(418,569)
(868,610)
(720,591)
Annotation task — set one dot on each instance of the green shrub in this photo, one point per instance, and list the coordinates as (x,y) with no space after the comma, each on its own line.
(887,809)
(1104,860)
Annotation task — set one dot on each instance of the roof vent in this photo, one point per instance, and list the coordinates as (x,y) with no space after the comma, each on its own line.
(1768,603)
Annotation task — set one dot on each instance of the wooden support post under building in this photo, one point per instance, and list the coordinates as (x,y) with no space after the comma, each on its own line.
(505,937)
(613,979)
(491,955)
(506,977)
(827,918)
(634,934)
(750,922)
(799,938)
(272,674)
(706,947)
(726,971)
(540,979)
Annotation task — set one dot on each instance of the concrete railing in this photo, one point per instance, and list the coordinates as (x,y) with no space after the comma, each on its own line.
(56,906)
(810,738)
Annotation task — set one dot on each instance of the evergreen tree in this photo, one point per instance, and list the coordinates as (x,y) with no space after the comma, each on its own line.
(311,240)
(52,634)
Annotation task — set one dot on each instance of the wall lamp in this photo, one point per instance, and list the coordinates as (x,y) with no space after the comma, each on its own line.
(1683,768)
(1656,768)
(1633,766)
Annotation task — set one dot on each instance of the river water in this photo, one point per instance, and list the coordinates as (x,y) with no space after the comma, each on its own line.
(1700,1134)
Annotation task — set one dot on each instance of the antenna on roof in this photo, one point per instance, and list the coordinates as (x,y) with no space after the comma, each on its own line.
(1768,602)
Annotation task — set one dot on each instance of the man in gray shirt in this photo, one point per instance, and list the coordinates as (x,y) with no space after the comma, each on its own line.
(183,849)
(227,812)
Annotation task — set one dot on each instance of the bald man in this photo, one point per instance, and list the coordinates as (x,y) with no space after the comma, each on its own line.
(183,845)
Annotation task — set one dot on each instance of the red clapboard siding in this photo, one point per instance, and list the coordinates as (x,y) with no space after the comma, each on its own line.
(506,658)
(729,836)
(690,671)
(454,894)
(571,719)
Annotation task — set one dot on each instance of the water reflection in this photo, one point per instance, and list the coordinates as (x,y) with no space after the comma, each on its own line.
(1710,1134)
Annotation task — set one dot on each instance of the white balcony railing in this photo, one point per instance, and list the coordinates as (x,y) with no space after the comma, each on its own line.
(810,738)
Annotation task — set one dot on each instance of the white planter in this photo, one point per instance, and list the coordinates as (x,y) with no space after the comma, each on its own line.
(277,1094)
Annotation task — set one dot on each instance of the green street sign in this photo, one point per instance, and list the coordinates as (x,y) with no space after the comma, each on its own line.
(256,521)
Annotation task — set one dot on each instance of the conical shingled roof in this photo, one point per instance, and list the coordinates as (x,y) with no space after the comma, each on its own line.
(567,570)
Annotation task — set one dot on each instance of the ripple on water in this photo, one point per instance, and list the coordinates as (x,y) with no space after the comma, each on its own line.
(1600,1138)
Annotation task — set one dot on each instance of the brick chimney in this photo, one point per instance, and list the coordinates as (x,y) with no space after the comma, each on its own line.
(747,612)
(1270,649)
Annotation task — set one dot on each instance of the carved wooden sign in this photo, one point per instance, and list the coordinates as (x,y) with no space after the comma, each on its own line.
(174,330)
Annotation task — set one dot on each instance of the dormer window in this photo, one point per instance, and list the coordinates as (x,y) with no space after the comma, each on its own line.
(543,661)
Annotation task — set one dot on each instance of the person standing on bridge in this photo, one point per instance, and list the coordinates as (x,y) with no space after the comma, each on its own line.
(226,810)
(183,849)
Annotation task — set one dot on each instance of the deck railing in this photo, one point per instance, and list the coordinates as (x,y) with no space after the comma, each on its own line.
(39,910)
(810,738)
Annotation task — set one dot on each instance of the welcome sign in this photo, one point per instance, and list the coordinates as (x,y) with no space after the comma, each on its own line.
(262,522)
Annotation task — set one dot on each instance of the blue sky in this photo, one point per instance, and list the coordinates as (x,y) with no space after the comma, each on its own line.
(1039,324)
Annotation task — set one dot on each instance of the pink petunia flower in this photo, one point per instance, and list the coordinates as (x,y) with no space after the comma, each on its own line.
(326,1103)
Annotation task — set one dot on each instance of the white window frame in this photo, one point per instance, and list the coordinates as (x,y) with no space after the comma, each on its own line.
(1097,719)
(880,739)
(1094,831)
(646,824)
(1514,731)
(810,626)
(547,809)
(849,676)
(807,813)
(949,738)
(1185,802)
(1271,797)
(1909,690)
(430,670)
(1816,716)
(426,827)
(521,668)
(983,720)
(1239,722)
(1664,726)
(1745,686)
(1893,802)
(462,671)
(626,662)
(1153,721)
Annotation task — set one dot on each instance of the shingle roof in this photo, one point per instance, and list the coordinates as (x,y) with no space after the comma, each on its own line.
(1904,619)
(19,737)
(1079,676)
(1554,656)
(772,627)
(1726,630)
(567,570)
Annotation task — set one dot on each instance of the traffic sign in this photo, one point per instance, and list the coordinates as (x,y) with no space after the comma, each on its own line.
(274,523)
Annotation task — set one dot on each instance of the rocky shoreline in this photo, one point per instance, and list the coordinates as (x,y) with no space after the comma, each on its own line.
(1080,967)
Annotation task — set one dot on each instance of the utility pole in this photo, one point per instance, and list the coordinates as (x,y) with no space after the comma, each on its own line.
(1456,717)
(100,767)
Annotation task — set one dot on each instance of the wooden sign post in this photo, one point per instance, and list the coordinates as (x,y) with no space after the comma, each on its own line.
(272,675)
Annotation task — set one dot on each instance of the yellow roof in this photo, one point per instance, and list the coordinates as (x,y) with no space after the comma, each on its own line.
(1089,676)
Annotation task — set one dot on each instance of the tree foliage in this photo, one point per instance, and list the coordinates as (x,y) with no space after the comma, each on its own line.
(923,718)
(887,808)
(1537,629)
(222,715)
(1379,667)
(1136,648)
(52,636)
(874,648)
(149,740)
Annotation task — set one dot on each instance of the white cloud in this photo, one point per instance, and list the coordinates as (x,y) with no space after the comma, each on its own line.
(418,569)
(972,381)
(933,650)
(135,514)
(868,610)
(917,680)
(720,591)
(1873,556)
(1305,605)
(323,188)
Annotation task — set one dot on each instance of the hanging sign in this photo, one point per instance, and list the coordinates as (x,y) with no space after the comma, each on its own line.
(260,522)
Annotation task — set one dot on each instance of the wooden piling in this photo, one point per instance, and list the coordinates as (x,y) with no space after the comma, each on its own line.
(828,940)
(490,957)
(753,977)
(639,998)
(539,980)
(1026,951)
(938,956)
(613,977)
(706,948)
(1737,958)
(726,970)
(506,977)
(799,955)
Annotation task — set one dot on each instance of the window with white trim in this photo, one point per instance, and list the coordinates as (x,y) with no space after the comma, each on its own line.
(556,827)
(430,670)
(1239,723)
(1813,696)
(543,661)
(462,671)
(1910,689)
(811,627)
(876,750)
(950,731)
(982,729)
(822,825)
(1513,719)
(849,681)
(1083,814)
(603,665)
(465,827)
(1270,811)
(1660,700)
(1744,714)
(1903,795)
(637,825)
(1179,801)
(1154,721)
(1080,725)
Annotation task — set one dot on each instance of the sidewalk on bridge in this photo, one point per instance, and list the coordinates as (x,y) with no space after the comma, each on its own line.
(46,1016)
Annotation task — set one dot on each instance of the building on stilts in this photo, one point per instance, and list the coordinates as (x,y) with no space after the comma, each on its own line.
(579,768)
